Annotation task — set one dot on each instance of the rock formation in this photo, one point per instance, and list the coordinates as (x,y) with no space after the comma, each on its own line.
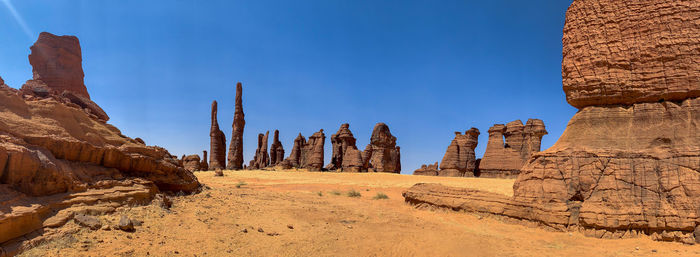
(56,157)
(627,163)
(627,52)
(341,140)
(382,154)
(295,156)
(506,158)
(204,165)
(218,142)
(312,152)
(460,159)
(352,160)
(427,170)
(235,151)
(58,73)
(191,162)
(57,62)
(276,150)
(261,159)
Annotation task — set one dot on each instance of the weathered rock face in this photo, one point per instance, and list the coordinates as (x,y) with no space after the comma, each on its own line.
(352,160)
(427,170)
(295,156)
(235,151)
(57,61)
(191,162)
(217,149)
(382,154)
(204,165)
(626,52)
(505,159)
(629,168)
(460,158)
(617,171)
(261,159)
(55,157)
(58,73)
(341,141)
(312,152)
(276,150)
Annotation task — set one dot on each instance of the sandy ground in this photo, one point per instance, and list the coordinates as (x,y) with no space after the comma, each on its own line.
(264,213)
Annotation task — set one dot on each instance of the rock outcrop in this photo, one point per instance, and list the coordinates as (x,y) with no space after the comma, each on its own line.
(627,163)
(204,164)
(460,158)
(217,148)
(626,52)
(235,151)
(352,160)
(56,158)
(57,62)
(295,156)
(341,141)
(427,170)
(312,152)
(58,73)
(276,150)
(504,159)
(261,159)
(191,162)
(382,154)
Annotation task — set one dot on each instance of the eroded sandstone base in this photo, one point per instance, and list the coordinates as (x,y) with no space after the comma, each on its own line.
(615,172)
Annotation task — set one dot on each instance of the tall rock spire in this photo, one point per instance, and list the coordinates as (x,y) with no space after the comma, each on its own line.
(218,142)
(235,151)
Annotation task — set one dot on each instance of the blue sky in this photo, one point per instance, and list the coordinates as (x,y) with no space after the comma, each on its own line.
(426,68)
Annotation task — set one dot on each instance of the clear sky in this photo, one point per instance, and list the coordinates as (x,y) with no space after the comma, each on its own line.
(426,68)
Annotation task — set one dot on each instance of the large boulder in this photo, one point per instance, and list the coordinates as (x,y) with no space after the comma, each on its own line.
(235,151)
(192,163)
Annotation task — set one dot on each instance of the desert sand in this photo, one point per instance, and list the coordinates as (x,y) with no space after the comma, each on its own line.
(294,213)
